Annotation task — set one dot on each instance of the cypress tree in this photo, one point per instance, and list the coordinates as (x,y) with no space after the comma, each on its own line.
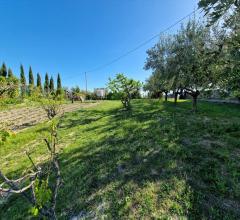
(31,79)
(39,83)
(10,73)
(23,81)
(3,71)
(59,84)
(51,86)
(46,84)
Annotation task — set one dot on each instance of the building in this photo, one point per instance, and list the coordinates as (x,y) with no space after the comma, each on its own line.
(100,92)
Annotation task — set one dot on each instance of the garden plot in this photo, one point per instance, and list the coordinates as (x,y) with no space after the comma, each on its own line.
(18,119)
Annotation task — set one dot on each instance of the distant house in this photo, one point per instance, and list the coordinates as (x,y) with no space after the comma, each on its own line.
(100,92)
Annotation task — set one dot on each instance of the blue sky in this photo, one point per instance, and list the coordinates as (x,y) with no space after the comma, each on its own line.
(74,36)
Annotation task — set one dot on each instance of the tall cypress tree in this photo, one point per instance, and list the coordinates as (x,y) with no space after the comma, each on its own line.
(46,84)
(23,81)
(59,84)
(51,86)
(39,82)
(31,79)
(10,73)
(3,71)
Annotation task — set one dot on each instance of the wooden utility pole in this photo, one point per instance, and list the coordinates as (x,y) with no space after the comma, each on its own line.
(86,81)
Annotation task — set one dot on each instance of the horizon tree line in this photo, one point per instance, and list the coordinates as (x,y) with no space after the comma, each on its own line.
(7,78)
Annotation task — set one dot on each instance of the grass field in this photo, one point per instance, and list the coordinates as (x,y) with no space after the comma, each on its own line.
(155,161)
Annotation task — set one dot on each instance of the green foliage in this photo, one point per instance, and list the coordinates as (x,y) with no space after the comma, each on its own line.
(23,81)
(51,104)
(189,54)
(236,93)
(11,85)
(34,211)
(51,85)
(125,87)
(9,101)
(184,62)
(43,195)
(4,134)
(39,82)
(36,94)
(217,9)
(8,87)
(3,70)
(113,96)
(229,75)
(89,95)
(22,76)
(46,84)
(59,85)
(31,79)
(228,54)
(10,73)
(13,92)
(156,84)
(158,162)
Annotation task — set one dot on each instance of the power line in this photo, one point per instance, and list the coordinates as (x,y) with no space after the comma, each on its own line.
(139,46)
(142,44)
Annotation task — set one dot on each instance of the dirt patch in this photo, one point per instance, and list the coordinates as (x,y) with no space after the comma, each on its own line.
(20,119)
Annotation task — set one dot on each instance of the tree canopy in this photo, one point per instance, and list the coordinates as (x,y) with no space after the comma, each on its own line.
(228,10)
(184,62)
(125,87)
(3,70)
(46,84)
(31,78)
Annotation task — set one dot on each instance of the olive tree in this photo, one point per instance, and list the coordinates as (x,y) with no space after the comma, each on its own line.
(156,85)
(217,9)
(228,55)
(190,54)
(186,61)
(157,60)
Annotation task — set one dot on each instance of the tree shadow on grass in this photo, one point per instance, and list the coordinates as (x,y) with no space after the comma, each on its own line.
(147,164)
(140,154)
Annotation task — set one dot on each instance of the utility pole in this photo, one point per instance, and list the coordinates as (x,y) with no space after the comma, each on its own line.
(86,81)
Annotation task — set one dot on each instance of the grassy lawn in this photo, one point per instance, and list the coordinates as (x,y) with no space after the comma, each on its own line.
(156,161)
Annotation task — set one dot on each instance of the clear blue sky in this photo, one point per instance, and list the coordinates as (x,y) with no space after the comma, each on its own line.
(74,36)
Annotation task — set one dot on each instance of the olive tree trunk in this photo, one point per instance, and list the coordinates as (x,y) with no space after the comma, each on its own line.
(194,94)
(175,98)
(166,96)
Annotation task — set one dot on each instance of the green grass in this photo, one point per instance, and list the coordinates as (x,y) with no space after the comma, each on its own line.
(13,103)
(156,161)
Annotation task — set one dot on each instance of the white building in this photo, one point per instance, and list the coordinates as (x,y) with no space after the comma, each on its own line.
(100,92)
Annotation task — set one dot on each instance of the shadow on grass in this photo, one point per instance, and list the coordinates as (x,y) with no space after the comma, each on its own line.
(148,162)
(142,153)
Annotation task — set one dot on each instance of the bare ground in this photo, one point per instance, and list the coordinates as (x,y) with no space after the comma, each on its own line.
(22,118)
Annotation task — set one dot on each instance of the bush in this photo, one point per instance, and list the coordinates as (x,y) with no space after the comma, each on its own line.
(113,96)
(8,101)
(8,87)
(4,134)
